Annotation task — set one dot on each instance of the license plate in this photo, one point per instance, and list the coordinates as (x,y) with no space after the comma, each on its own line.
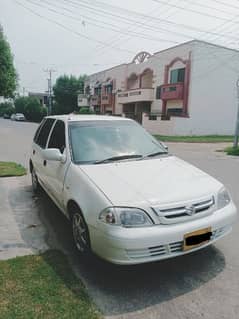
(197,238)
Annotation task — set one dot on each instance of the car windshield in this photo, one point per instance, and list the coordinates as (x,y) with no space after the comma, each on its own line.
(102,141)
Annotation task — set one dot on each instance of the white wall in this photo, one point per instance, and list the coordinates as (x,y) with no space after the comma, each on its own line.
(158,127)
(212,92)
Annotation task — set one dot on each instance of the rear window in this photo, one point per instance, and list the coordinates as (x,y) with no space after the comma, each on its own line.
(38,131)
(44,131)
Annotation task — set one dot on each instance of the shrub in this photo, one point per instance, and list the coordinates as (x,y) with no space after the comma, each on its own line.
(6,108)
(31,108)
(20,104)
(85,110)
(232,151)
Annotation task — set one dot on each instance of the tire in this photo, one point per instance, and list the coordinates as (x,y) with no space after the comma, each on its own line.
(80,233)
(35,184)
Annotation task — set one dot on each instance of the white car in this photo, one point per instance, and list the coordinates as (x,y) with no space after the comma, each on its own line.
(19,117)
(128,200)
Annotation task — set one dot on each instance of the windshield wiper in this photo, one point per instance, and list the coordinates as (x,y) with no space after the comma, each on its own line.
(155,154)
(118,158)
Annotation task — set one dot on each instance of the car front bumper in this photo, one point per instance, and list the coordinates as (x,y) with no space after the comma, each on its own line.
(127,246)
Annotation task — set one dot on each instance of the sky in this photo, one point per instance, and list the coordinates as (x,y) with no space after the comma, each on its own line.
(86,36)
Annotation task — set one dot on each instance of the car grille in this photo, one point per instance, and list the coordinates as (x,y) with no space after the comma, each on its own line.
(155,251)
(175,248)
(196,209)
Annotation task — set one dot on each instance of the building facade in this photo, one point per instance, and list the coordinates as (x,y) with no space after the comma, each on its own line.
(188,89)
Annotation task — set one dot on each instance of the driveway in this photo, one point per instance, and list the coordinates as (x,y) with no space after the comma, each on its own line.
(204,284)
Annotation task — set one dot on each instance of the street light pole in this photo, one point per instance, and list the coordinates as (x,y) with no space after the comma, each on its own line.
(50,90)
(235,142)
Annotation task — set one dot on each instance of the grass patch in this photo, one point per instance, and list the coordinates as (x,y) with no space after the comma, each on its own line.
(196,138)
(8,169)
(42,286)
(232,151)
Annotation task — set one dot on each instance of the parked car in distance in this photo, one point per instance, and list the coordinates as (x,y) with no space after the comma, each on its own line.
(13,116)
(19,117)
(6,116)
(128,200)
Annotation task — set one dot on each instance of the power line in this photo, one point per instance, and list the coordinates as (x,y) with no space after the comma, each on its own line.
(142,25)
(70,29)
(125,19)
(144,15)
(224,26)
(140,35)
(203,5)
(181,25)
(195,11)
(226,4)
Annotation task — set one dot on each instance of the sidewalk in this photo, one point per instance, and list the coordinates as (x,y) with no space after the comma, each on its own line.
(21,231)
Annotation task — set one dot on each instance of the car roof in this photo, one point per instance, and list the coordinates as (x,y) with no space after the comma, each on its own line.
(87,117)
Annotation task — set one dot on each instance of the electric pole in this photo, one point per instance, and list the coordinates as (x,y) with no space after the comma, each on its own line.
(49,80)
(235,143)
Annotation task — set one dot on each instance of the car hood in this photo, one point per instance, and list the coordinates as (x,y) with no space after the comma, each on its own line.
(155,181)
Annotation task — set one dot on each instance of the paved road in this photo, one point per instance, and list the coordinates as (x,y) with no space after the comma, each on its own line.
(15,140)
(200,285)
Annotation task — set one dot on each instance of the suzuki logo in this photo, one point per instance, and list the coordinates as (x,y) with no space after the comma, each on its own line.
(190,210)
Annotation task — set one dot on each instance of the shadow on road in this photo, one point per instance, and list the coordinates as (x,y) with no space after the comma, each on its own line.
(121,289)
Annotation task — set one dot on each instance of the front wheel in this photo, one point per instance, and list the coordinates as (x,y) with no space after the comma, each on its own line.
(35,183)
(80,233)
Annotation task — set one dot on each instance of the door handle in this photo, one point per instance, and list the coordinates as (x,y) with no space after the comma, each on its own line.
(44,162)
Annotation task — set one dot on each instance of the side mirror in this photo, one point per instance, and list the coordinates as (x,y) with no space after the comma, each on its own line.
(53,154)
(165,146)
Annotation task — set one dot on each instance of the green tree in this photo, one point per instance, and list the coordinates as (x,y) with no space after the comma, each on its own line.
(32,110)
(6,108)
(65,91)
(8,75)
(20,104)
(30,107)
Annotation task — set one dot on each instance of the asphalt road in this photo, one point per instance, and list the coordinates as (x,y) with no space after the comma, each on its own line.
(204,284)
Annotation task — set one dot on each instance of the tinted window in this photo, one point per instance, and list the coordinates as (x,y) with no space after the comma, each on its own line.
(38,131)
(177,75)
(44,132)
(158,92)
(57,139)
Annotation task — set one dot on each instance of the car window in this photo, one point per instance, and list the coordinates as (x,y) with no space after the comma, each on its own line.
(44,132)
(38,131)
(57,138)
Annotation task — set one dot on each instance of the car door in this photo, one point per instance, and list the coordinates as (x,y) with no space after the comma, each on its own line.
(55,171)
(39,144)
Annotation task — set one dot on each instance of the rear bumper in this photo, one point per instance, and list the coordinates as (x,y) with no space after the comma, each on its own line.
(121,245)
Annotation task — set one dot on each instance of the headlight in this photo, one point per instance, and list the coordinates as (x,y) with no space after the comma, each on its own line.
(126,217)
(223,198)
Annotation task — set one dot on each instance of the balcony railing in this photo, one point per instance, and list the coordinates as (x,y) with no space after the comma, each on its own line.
(106,99)
(83,100)
(136,95)
(95,100)
(172,91)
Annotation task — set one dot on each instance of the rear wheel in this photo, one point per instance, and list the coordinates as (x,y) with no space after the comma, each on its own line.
(80,233)
(35,183)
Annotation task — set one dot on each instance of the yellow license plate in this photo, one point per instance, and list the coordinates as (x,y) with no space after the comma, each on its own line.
(197,238)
